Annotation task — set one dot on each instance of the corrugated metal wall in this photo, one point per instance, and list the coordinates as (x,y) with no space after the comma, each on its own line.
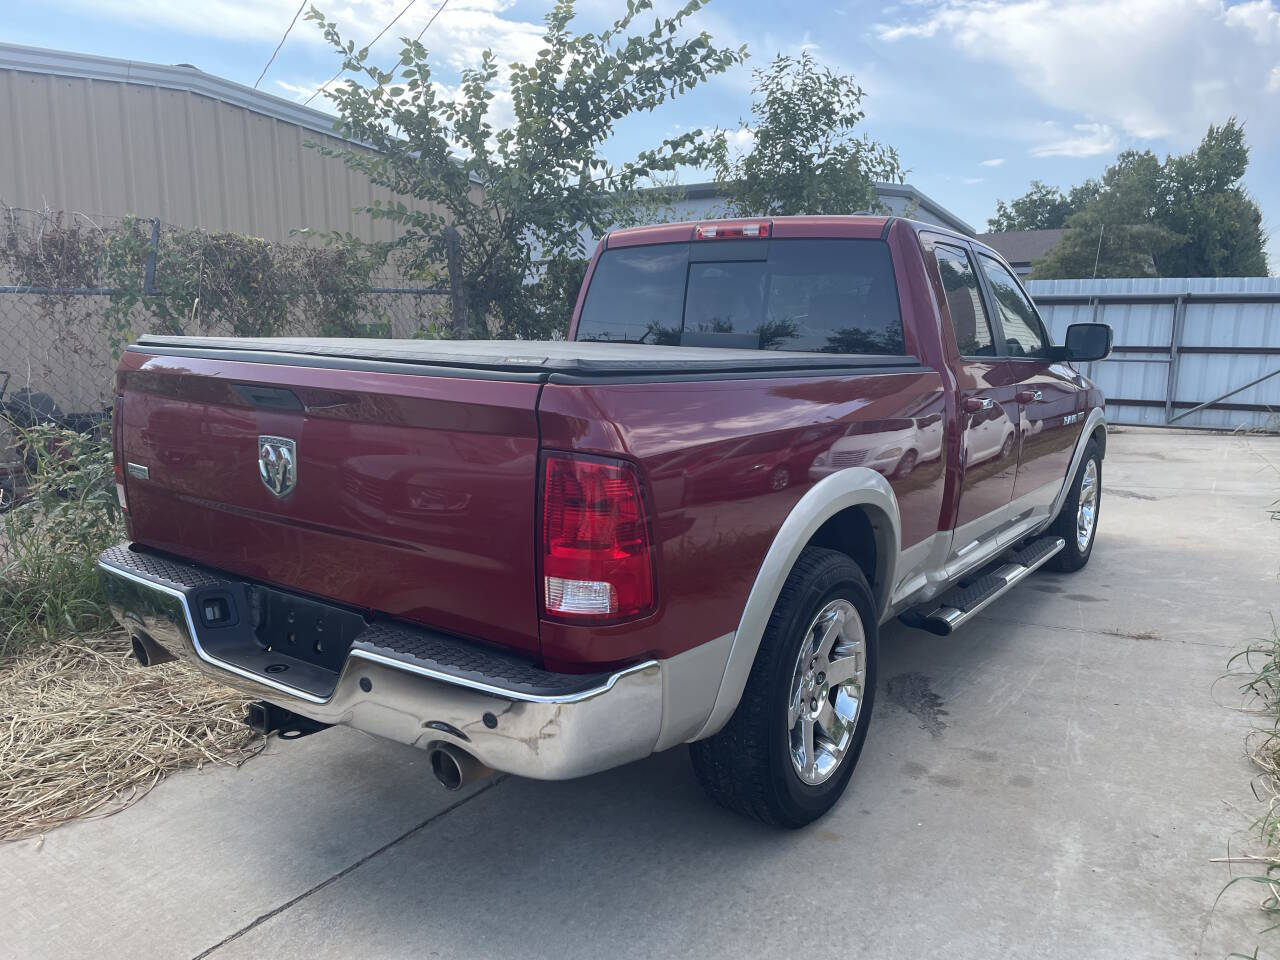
(112,148)
(1178,343)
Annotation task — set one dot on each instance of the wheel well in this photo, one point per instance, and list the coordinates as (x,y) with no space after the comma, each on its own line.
(1100,435)
(854,532)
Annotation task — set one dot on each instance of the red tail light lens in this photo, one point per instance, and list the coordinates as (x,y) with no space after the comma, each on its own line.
(597,557)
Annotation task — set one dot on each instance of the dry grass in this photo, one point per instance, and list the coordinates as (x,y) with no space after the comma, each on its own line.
(85,731)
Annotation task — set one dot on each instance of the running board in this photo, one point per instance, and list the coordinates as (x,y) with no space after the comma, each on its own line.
(973,594)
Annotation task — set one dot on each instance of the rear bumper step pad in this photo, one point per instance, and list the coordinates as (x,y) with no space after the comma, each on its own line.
(239,641)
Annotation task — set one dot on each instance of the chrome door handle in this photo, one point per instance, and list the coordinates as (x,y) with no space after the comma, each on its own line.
(978,404)
(1029,396)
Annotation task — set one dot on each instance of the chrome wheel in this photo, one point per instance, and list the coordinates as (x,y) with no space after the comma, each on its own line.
(826,691)
(1087,512)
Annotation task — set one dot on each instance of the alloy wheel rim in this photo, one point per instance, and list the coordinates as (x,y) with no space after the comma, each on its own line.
(1087,512)
(826,691)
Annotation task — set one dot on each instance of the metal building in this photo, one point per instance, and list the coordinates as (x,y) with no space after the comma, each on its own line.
(110,137)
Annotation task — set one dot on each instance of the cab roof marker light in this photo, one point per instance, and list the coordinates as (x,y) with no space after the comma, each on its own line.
(721,231)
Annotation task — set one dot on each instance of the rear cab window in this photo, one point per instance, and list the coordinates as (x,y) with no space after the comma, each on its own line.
(811,295)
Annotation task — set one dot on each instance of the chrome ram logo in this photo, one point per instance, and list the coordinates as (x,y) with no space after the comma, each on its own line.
(278,464)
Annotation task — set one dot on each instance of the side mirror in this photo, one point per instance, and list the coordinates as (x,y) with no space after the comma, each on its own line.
(1086,341)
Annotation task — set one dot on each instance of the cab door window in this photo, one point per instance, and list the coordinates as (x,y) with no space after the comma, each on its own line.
(1023,332)
(964,302)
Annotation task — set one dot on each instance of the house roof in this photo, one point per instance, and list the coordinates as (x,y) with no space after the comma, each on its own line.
(1022,246)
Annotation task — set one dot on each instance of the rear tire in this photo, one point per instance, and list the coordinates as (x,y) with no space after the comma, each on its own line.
(1070,525)
(762,764)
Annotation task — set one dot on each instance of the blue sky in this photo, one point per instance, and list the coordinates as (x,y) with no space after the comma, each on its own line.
(979,96)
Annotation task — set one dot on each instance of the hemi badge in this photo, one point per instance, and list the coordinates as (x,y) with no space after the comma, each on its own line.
(139,471)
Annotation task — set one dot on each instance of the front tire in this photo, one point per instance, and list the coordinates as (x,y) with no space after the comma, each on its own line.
(1077,524)
(787,753)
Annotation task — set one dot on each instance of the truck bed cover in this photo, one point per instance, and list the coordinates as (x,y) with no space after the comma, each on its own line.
(536,359)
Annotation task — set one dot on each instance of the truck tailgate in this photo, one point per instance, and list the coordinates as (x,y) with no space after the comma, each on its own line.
(414,492)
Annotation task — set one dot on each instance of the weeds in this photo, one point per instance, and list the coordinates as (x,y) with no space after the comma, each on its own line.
(48,576)
(1258,668)
(85,731)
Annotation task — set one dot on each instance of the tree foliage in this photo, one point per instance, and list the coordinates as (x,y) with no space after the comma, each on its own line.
(805,156)
(1042,207)
(1188,216)
(519,194)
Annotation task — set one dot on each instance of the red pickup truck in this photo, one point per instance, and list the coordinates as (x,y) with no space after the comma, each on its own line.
(685,524)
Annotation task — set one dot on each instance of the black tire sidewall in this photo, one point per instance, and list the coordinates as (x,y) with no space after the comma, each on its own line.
(1071,556)
(805,802)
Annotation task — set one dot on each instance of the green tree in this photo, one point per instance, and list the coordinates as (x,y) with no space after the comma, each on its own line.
(519,195)
(1188,216)
(805,155)
(1202,199)
(1042,207)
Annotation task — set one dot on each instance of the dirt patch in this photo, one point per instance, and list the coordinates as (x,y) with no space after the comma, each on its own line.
(1143,635)
(912,692)
(1128,494)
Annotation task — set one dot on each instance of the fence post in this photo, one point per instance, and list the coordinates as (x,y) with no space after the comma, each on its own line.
(458,307)
(149,277)
(1175,341)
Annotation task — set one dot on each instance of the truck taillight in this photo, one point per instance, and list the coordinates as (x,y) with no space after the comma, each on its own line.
(117,450)
(597,554)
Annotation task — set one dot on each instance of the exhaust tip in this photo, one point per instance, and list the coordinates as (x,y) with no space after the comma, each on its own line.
(140,652)
(446,769)
(146,651)
(454,768)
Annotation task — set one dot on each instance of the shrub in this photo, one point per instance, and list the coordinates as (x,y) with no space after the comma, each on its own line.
(48,575)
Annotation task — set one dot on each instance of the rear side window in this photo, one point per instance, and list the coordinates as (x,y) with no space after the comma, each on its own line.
(964,303)
(820,295)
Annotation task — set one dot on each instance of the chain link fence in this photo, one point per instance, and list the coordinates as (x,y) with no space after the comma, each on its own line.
(74,290)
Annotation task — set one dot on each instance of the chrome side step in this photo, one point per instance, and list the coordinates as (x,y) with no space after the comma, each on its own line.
(944,614)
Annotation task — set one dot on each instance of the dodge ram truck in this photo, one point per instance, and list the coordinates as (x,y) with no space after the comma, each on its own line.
(684,524)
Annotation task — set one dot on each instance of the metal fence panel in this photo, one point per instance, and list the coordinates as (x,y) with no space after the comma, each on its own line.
(1179,343)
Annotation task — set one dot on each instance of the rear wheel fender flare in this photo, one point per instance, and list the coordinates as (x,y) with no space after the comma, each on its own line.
(852,487)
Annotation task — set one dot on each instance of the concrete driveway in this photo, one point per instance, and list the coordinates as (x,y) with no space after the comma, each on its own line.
(1051,781)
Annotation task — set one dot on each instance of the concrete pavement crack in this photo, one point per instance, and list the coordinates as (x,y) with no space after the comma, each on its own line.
(258,921)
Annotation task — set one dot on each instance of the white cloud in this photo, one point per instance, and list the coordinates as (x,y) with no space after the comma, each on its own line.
(457,38)
(970,181)
(1084,140)
(302,91)
(993,162)
(1145,68)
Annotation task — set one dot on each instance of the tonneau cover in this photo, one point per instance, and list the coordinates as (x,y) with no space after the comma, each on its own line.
(527,356)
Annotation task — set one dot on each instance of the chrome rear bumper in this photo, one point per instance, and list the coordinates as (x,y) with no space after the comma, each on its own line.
(514,719)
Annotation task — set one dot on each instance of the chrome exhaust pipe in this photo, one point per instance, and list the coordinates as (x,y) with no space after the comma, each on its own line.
(454,767)
(147,652)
